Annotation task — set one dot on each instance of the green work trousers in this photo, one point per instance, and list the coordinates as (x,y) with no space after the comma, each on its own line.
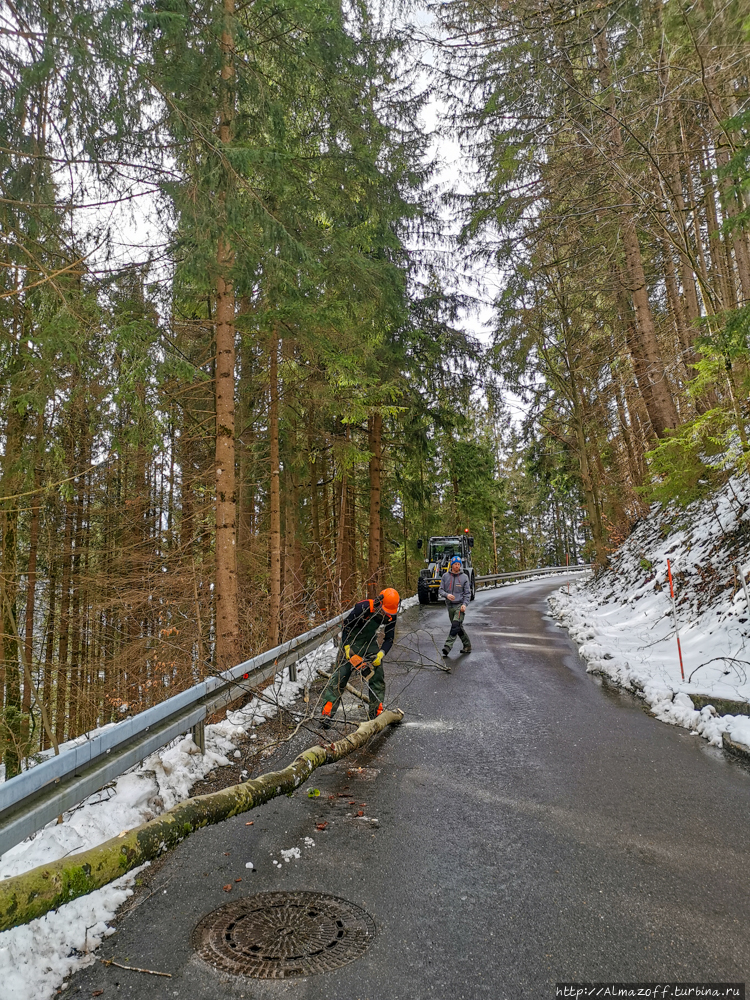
(334,689)
(457,616)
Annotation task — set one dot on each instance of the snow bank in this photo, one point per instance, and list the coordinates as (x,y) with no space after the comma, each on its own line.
(37,957)
(623,621)
(161,781)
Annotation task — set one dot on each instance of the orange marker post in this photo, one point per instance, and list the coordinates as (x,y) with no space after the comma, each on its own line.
(674,612)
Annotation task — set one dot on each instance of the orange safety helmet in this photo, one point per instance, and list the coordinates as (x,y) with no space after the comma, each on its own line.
(389,600)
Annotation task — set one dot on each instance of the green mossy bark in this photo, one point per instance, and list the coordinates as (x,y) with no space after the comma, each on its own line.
(32,894)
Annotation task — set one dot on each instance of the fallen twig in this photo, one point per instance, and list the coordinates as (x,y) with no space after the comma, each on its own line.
(741,673)
(134,968)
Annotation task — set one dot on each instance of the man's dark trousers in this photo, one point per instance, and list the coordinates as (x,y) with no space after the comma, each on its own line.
(340,678)
(457,616)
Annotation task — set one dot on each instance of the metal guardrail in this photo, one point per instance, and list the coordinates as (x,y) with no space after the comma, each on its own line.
(496,578)
(35,797)
(31,799)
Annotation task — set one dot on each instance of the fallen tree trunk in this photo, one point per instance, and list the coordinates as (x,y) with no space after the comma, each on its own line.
(32,894)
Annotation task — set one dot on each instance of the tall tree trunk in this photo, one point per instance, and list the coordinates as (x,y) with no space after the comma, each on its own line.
(89,709)
(674,194)
(660,404)
(587,479)
(200,650)
(640,363)
(625,432)
(719,264)
(327,532)
(274,535)
(375,433)
(227,617)
(319,588)
(330,514)
(13,748)
(75,614)
(351,540)
(31,587)
(12,478)
(227,614)
(62,656)
(49,644)
(342,548)
(291,569)
(676,307)
(245,438)
(187,498)
(494,542)
(719,85)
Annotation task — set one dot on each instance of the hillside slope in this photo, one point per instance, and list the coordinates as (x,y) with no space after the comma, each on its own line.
(624,624)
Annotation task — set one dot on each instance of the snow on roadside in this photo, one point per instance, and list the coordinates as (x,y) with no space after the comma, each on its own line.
(39,956)
(161,780)
(623,622)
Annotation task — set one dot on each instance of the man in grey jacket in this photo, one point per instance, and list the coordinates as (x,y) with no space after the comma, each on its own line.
(455,589)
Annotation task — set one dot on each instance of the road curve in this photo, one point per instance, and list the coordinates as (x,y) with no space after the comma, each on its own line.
(532,827)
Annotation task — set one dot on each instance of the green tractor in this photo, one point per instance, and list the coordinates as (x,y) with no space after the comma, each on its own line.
(440,550)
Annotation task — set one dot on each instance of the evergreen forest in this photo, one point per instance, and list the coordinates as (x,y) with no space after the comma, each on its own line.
(262,329)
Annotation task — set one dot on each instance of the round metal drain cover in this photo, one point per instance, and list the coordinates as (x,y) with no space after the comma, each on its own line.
(277,934)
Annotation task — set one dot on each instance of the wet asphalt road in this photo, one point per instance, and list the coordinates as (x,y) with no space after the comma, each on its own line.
(533,827)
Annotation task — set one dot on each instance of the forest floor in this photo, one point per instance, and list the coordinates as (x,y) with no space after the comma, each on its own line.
(624,623)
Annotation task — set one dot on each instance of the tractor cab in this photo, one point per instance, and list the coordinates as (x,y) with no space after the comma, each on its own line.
(440,551)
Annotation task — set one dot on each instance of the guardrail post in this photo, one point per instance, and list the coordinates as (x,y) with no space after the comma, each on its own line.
(199,735)
(293,671)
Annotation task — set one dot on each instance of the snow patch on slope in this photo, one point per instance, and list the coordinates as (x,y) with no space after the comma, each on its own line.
(624,625)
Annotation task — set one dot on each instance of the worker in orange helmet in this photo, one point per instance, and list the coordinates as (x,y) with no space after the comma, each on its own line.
(360,650)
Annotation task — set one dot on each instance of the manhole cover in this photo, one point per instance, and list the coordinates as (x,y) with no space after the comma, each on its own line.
(277,934)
